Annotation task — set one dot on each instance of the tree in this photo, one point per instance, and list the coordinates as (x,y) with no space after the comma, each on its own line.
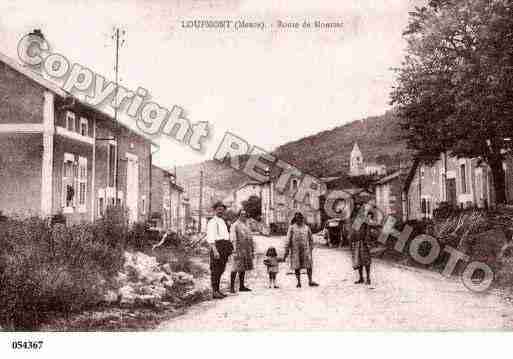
(253,206)
(454,88)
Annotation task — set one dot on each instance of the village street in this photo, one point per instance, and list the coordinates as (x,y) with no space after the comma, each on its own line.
(399,298)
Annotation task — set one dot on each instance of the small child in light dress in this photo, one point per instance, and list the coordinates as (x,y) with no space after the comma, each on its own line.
(271,261)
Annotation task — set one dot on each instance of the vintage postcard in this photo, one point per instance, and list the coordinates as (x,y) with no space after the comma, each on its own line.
(255,165)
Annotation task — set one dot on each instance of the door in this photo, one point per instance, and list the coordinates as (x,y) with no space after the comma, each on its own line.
(132,187)
(451,191)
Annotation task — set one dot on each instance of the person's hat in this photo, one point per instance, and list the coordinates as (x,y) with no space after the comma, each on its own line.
(218,204)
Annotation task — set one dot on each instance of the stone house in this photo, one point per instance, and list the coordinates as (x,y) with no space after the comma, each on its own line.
(462,182)
(389,194)
(59,155)
(167,201)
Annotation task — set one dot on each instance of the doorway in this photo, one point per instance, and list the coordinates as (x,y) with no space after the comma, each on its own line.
(451,191)
(132,187)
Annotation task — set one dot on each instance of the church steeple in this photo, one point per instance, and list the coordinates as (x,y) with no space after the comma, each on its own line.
(356,166)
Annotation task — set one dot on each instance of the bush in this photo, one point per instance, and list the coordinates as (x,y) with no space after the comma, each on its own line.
(138,236)
(58,219)
(47,270)
(445,210)
(460,226)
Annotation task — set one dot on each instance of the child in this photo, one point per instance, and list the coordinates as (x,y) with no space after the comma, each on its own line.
(271,261)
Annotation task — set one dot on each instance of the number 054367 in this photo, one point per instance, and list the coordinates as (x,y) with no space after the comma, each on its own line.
(27,345)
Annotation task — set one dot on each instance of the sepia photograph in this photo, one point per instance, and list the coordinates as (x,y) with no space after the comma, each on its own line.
(256,166)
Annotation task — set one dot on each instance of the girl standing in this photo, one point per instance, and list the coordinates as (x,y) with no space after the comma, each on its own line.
(299,246)
(272,263)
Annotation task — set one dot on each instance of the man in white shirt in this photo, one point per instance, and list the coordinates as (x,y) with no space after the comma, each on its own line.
(220,248)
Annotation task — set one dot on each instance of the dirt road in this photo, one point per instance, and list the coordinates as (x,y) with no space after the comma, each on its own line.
(399,298)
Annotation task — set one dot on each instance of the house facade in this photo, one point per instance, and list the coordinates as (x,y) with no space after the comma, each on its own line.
(167,201)
(389,197)
(462,182)
(278,208)
(58,155)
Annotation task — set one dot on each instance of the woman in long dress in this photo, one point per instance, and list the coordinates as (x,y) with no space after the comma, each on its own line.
(243,251)
(360,253)
(299,246)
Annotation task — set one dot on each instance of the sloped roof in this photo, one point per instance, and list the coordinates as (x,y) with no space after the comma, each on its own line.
(389,177)
(248,183)
(341,182)
(34,76)
(49,85)
(411,173)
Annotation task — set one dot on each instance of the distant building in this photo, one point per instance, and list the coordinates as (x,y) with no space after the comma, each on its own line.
(166,201)
(389,195)
(209,196)
(358,167)
(246,190)
(278,208)
(375,169)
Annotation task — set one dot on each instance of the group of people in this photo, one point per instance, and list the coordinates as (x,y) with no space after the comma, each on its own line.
(237,247)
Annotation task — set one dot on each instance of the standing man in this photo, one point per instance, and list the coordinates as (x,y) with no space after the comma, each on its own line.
(220,248)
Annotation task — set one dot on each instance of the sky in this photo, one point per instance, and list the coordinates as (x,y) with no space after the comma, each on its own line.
(267,86)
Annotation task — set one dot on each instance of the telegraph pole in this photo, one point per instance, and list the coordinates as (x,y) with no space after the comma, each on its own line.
(178,203)
(119,42)
(200,201)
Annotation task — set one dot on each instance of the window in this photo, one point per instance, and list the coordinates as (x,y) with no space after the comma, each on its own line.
(119,201)
(166,203)
(294,184)
(69,176)
(101,202)
(82,184)
(143,210)
(84,127)
(101,206)
(112,164)
(311,200)
(463,179)
(423,206)
(70,121)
